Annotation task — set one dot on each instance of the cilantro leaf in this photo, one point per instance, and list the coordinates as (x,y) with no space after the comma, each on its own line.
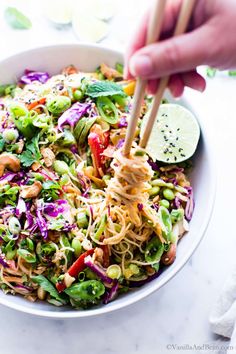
(32,153)
(17,19)
(104,88)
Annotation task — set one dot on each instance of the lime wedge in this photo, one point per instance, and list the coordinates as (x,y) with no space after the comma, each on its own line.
(58,11)
(175,134)
(89,28)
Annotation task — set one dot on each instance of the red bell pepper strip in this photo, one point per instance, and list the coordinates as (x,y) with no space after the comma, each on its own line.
(97,145)
(77,267)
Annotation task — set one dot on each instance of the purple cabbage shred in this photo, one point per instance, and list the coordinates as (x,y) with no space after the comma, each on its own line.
(31,76)
(3,262)
(72,115)
(153,165)
(97,270)
(42,224)
(189,205)
(112,293)
(54,209)
(20,208)
(120,143)
(123,122)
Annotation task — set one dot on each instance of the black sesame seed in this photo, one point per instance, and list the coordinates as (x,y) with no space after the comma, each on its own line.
(178,129)
(166,125)
(175,158)
(182,155)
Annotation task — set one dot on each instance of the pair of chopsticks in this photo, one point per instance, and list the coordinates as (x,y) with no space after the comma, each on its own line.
(153,35)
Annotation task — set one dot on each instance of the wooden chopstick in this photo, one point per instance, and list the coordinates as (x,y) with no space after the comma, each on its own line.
(181,26)
(153,34)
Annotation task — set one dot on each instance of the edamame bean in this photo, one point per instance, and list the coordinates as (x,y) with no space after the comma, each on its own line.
(61,167)
(78,95)
(154,191)
(82,220)
(168,194)
(165,203)
(160,183)
(76,245)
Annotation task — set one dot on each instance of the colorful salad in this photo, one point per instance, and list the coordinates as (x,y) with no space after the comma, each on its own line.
(79,222)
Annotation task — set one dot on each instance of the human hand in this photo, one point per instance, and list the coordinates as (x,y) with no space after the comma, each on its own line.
(210,40)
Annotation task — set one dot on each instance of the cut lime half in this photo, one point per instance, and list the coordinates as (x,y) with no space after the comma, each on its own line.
(89,28)
(175,134)
(58,11)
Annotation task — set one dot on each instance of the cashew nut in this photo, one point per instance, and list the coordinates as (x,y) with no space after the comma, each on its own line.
(41,293)
(48,156)
(169,256)
(31,191)
(9,161)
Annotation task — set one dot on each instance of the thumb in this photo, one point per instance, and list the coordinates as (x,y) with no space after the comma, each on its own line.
(175,55)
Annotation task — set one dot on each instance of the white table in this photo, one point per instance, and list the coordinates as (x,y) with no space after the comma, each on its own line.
(177,315)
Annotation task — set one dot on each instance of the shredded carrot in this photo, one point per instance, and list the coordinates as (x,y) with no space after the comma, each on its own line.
(34,104)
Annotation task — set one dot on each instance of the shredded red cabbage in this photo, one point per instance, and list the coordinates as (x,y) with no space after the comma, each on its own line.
(155,206)
(72,115)
(123,122)
(11,176)
(189,205)
(120,143)
(172,180)
(20,208)
(3,262)
(25,289)
(31,76)
(97,270)
(153,165)
(111,294)
(54,209)
(140,206)
(177,202)
(138,283)
(42,224)
(74,149)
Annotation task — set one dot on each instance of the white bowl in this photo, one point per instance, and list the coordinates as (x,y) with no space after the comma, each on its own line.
(88,58)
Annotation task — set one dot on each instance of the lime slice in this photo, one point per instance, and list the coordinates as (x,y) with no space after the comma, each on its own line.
(89,28)
(58,11)
(175,134)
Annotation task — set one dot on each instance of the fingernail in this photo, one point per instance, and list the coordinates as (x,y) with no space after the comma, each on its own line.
(140,65)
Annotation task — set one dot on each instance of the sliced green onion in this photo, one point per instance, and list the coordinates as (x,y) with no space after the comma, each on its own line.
(114,271)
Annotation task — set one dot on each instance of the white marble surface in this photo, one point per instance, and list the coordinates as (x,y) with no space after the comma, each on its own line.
(177,315)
